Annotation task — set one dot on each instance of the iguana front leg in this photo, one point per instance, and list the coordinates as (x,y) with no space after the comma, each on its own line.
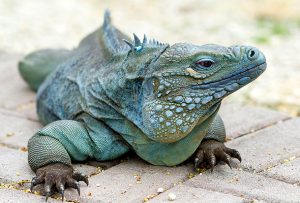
(212,149)
(51,150)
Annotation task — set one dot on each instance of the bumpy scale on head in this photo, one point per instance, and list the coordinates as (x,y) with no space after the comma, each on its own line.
(183,94)
(175,114)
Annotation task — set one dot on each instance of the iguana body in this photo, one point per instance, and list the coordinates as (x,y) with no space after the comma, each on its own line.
(107,97)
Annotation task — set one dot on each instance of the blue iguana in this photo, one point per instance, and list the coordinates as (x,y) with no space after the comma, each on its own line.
(112,95)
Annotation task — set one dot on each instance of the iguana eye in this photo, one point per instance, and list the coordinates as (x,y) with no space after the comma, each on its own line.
(206,63)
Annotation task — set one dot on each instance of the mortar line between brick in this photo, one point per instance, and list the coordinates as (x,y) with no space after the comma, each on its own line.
(8,112)
(9,146)
(208,189)
(237,193)
(260,172)
(263,127)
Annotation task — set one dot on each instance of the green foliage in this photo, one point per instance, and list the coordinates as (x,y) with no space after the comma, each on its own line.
(268,27)
(274,26)
(262,39)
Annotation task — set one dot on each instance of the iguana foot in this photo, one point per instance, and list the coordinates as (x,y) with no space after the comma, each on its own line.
(58,175)
(212,152)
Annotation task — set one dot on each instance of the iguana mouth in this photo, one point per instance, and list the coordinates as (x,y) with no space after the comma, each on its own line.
(233,77)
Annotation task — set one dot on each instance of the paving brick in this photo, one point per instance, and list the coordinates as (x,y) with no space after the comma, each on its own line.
(14,166)
(240,119)
(16,196)
(85,169)
(28,113)
(270,146)
(287,172)
(121,183)
(14,93)
(246,185)
(186,194)
(15,131)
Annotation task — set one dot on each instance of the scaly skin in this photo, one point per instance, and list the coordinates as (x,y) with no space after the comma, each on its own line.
(111,96)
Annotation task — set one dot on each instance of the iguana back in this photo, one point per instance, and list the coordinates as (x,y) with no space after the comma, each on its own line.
(63,76)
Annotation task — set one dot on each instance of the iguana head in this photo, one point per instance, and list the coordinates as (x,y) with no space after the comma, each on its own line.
(187,82)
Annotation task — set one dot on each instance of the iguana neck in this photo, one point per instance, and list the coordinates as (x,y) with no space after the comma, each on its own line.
(124,83)
(159,153)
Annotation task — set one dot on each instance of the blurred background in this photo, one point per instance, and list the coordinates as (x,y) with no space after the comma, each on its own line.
(271,25)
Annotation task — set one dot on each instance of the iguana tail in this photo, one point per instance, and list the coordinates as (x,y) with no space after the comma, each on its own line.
(35,67)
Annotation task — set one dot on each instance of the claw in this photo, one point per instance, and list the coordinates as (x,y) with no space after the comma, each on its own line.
(223,156)
(33,183)
(48,191)
(199,158)
(73,184)
(233,153)
(80,177)
(211,160)
(61,189)
(86,181)
(62,192)
(228,163)
(36,180)
(197,162)
(78,188)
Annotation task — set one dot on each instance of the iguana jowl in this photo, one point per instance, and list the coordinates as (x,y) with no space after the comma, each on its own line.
(109,96)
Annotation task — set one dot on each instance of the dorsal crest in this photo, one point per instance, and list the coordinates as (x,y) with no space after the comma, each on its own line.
(137,45)
(113,40)
(112,37)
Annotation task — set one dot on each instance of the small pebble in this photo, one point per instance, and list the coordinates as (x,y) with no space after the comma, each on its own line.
(98,185)
(171,196)
(160,190)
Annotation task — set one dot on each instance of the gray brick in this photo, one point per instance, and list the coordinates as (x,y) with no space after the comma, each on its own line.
(270,146)
(119,183)
(240,120)
(16,196)
(15,131)
(246,185)
(28,113)
(287,172)
(85,169)
(14,166)
(14,93)
(186,194)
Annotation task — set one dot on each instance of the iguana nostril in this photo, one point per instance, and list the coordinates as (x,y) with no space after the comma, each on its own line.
(252,54)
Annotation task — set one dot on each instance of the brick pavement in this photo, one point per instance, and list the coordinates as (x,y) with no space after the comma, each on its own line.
(268,141)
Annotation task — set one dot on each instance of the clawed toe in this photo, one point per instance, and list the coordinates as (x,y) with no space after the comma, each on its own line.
(37,180)
(80,177)
(211,159)
(73,184)
(223,156)
(233,153)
